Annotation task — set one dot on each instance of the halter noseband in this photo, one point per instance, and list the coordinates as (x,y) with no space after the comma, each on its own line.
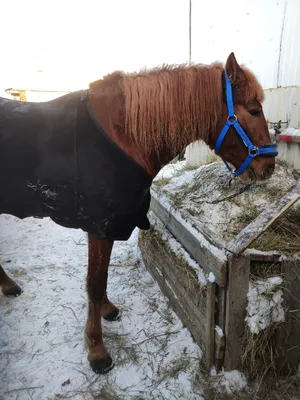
(269,150)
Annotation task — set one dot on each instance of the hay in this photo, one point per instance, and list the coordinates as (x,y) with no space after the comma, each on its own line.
(263,354)
(260,352)
(262,270)
(181,267)
(283,235)
(159,183)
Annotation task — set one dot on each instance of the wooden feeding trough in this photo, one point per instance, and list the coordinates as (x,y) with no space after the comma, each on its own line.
(208,282)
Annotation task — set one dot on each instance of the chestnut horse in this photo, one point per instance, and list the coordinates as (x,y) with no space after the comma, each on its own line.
(152,116)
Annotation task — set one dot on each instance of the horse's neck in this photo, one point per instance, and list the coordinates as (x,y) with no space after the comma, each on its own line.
(151,159)
(101,109)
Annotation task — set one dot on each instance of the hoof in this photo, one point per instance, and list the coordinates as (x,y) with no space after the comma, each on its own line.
(102,366)
(113,316)
(14,291)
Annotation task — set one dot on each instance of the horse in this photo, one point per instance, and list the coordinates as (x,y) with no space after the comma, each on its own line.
(55,165)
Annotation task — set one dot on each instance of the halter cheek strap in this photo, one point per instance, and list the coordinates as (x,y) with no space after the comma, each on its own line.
(269,150)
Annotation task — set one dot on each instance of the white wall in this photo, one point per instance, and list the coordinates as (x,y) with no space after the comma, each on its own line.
(251,29)
(42,96)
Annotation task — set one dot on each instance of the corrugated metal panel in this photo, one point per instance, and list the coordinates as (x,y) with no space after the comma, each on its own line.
(289,152)
(199,153)
(265,35)
(251,29)
(283,104)
(289,66)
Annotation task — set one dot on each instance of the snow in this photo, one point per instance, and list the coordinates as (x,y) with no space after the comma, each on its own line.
(292,132)
(211,277)
(287,132)
(265,303)
(219,331)
(42,354)
(163,200)
(231,382)
(170,170)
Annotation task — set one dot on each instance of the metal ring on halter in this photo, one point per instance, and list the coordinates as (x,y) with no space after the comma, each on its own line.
(232,116)
(253,151)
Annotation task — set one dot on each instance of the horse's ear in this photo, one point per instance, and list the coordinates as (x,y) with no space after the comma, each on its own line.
(233,70)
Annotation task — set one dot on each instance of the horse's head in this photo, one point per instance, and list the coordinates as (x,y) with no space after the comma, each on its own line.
(244,140)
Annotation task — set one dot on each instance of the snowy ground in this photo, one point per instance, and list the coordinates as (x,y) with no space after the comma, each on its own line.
(41,332)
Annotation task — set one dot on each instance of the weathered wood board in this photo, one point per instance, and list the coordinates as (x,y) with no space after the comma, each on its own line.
(288,338)
(236,302)
(194,305)
(208,255)
(224,302)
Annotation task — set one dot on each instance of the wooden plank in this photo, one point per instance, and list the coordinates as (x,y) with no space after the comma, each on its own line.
(208,256)
(236,301)
(199,320)
(198,228)
(178,270)
(156,255)
(220,342)
(182,313)
(288,338)
(210,324)
(263,256)
(263,221)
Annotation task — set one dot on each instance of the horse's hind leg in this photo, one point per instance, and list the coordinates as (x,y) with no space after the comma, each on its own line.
(99,305)
(109,311)
(9,287)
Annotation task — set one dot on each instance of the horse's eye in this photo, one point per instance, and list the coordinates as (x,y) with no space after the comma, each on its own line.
(254,113)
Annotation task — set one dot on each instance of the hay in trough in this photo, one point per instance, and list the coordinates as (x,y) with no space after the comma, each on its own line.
(283,235)
(206,199)
(260,352)
(265,317)
(209,203)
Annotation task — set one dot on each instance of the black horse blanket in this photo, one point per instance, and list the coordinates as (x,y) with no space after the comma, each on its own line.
(56,162)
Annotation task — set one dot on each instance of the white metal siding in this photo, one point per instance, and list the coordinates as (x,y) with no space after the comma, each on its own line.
(199,153)
(289,66)
(289,152)
(251,29)
(283,104)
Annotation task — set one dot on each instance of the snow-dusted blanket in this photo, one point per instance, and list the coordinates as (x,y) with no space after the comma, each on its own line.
(56,162)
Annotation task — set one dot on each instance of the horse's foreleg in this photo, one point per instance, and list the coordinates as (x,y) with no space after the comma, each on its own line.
(99,257)
(9,287)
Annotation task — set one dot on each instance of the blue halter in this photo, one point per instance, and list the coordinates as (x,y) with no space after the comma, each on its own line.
(269,150)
